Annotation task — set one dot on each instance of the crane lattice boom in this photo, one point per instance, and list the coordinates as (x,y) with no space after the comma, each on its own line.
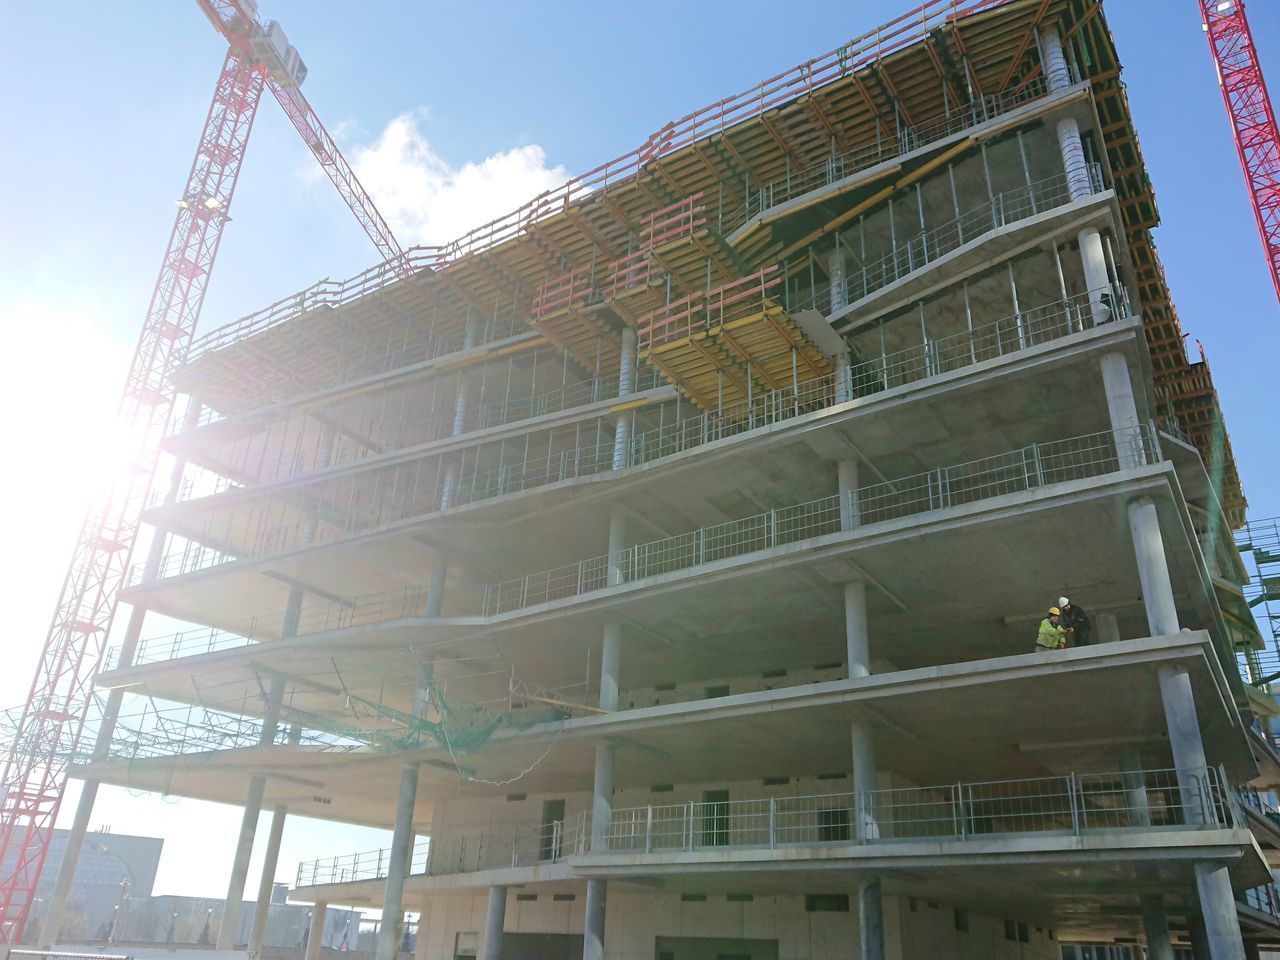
(1252,119)
(60,697)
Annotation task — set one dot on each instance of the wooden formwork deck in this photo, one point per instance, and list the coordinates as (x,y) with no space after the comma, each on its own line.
(731,346)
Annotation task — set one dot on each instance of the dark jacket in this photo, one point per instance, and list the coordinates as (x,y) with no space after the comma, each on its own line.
(1075,619)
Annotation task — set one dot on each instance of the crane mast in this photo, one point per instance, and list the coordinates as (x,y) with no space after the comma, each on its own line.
(53,718)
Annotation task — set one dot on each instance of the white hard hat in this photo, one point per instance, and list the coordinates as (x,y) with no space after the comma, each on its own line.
(1064,602)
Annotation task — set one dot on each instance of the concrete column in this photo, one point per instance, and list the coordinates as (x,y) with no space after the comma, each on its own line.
(262,908)
(870,919)
(1155,923)
(387,946)
(836,270)
(602,798)
(1135,788)
(1122,410)
(1057,75)
(610,662)
(1074,163)
(857,644)
(1218,908)
(616,550)
(864,779)
(435,585)
(626,387)
(315,933)
(1153,570)
(449,489)
(1183,725)
(1096,278)
(1106,628)
(847,484)
(1199,939)
(844,378)
(229,928)
(460,407)
(593,927)
(494,922)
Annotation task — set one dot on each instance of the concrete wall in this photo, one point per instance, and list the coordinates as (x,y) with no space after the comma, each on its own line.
(635,921)
(929,929)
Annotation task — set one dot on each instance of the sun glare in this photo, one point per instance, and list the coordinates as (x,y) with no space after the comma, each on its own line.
(63,447)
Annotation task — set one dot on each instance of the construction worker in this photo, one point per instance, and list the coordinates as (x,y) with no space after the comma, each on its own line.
(1075,622)
(1051,635)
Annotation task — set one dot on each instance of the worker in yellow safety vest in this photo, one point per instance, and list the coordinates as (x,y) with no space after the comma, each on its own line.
(1051,636)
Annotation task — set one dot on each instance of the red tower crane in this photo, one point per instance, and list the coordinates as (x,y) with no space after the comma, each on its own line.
(1252,120)
(53,718)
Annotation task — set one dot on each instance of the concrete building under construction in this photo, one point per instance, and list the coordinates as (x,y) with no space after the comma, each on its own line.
(663,563)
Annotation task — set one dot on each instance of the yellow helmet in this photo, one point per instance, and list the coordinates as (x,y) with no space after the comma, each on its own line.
(1055,612)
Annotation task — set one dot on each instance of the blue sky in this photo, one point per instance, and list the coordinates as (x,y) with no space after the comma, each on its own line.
(452,107)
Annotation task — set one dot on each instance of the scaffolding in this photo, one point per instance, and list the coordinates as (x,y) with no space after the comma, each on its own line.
(1259,541)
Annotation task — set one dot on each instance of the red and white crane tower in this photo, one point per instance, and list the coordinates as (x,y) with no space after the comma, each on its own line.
(53,718)
(1252,119)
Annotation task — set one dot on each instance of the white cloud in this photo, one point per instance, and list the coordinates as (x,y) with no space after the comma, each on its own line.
(426,200)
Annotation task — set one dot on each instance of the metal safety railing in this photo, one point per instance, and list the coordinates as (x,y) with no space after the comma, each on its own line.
(395,354)
(1003,337)
(361,610)
(1265,899)
(354,867)
(511,845)
(1066,805)
(770,94)
(1007,207)
(517,845)
(252,460)
(840,166)
(1018,471)
(963,812)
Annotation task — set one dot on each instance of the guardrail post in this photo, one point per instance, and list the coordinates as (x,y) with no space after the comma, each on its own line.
(773,823)
(515,846)
(689,824)
(648,829)
(1075,809)
(957,812)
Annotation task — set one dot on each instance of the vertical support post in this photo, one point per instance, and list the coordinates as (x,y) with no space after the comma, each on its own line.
(262,907)
(870,919)
(1137,806)
(1218,908)
(495,921)
(1122,410)
(1153,569)
(836,271)
(593,927)
(1057,75)
(1096,279)
(1183,725)
(626,386)
(315,932)
(435,585)
(229,929)
(387,945)
(864,780)
(1155,923)
(857,642)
